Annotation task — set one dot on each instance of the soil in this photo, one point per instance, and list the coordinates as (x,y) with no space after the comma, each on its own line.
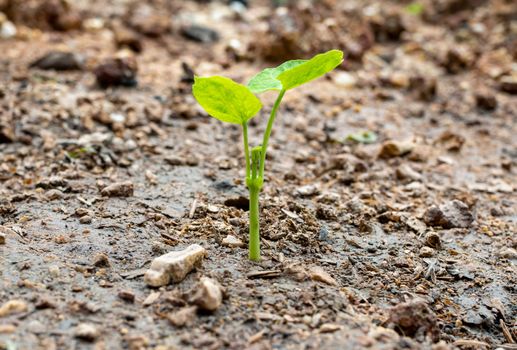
(406,242)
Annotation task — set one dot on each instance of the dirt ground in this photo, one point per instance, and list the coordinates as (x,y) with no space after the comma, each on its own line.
(404,240)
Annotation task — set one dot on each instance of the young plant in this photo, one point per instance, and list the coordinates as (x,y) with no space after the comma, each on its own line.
(230,102)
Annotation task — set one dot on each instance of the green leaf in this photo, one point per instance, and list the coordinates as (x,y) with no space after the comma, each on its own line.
(226,100)
(267,79)
(415,8)
(310,70)
(363,137)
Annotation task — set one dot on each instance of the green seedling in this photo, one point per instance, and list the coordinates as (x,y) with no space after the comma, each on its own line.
(230,102)
(362,137)
(415,8)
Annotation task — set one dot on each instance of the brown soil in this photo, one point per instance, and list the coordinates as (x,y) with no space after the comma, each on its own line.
(405,243)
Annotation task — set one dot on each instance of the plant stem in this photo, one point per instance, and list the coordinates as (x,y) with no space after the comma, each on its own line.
(254,245)
(246,148)
(254,183)
(267,133)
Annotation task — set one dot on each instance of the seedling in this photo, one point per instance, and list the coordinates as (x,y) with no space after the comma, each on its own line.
(230,102)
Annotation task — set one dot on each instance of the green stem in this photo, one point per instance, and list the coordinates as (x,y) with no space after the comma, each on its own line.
(246,148)
(254,183)
(268,131)
(254,245)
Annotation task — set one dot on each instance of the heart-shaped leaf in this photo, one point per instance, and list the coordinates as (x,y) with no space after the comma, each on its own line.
(226,100)
(294,73)
(267,79)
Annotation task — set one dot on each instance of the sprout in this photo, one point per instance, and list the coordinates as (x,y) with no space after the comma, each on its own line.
(230,102)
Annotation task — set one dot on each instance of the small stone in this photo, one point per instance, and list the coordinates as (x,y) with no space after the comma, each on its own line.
(423,88)
(119,189)
(7,328)
(345,79)
(486,100)
(86,331)
(200,34)
(414,319)
(101,260)
(53,194)
(318,274)
(406,172)
(119,71)
(457,59)
(14,306)
(7,30)
(451,141)
(207,294)
(433,240)
(307,190)
(54,271)
(453,214)
(125,37)
(174,266)
(2,238)
(86,219)
(509,84)
(232,242)
(127,295)
(183,317)
(152,25)
(93,24)
(151,298)
(426,252)
(151,177)
(82,212)
(58,60)
(329,328)
(508,253)
(391,148)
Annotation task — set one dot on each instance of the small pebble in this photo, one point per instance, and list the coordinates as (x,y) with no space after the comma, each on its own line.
(426,252)
(101,260)
(232,242)
(54,271)
(86,219)
(127,295)
(86,331)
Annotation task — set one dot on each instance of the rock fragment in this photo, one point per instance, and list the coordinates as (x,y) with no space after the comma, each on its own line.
(58,60)
(183,317)
(232,242)
(101,260)
(406,172)
(508,253)
(391,148)
(509,84)
(151,23)
(318,274)
(86,331)
(307,191)
(426,252)
(174,266)
(14,306)
(486,100)
(414,319)
(53,194)
(433,240)
(2,237)
(118,189)
(207,294)
(119,71)
(127,295)
(453,214)
(125,37)
(200,34)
